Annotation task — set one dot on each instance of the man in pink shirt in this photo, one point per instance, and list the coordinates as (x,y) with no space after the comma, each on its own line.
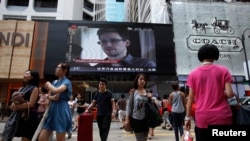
(210,87)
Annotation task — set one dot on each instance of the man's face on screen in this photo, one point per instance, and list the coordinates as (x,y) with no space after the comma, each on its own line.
(113,45)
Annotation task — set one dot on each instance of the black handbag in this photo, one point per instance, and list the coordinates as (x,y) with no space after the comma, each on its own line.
(241,113)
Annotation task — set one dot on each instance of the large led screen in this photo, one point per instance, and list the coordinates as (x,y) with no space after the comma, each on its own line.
(111,47)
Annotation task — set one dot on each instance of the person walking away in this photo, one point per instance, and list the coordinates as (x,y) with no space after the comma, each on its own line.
(177,100)
(59,116)
(121,106)
(135,110)
(166,114)
(210,86)
(106,108)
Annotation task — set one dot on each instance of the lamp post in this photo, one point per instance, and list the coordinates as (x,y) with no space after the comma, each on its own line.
(244,49)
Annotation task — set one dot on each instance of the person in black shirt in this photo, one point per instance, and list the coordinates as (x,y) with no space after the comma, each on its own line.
(106,108)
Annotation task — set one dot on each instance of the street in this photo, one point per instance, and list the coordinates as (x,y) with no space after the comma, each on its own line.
(117,134)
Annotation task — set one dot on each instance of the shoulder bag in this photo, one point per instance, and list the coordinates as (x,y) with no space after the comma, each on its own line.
(128,127)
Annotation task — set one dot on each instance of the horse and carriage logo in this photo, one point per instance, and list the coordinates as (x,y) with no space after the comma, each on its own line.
(218,25)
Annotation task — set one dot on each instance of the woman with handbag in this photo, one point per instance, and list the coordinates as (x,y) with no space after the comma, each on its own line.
(135,110)
(24,106)
(59,116)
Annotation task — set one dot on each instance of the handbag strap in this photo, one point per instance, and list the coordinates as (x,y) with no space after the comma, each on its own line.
(239,103)
(28,109)
(28,106)
(131,99)
(26,89)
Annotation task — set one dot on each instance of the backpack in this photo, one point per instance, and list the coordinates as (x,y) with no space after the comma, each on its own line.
(153,115)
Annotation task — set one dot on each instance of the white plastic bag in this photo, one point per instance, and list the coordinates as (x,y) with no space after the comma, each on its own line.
(187,136)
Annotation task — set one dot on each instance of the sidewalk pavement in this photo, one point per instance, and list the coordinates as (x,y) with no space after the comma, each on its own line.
(117,134)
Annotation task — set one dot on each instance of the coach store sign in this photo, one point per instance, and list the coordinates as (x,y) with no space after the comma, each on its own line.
(225,44)
(15,47)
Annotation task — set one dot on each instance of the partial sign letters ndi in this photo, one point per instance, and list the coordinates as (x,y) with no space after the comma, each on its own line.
(14,39)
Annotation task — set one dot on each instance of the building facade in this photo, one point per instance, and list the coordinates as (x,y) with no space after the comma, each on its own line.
(33,10)
(115,10)
(148,11)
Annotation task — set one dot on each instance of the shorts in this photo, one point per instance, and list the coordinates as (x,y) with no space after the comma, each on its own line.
(121,114)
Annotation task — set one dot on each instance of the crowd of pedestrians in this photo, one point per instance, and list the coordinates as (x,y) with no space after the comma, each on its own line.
(53,108)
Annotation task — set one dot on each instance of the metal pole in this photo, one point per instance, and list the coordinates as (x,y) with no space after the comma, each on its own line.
(244,49)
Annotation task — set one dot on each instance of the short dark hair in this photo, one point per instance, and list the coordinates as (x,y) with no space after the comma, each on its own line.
(44,90)
(122,96)
(103,80)
(208,51)
(121,31)
(175,86)
(158,98)
(165,96)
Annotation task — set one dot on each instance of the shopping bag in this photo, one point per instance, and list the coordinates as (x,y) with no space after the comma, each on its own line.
(187,136)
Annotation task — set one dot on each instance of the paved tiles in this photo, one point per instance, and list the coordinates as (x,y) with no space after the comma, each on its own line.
(117,134)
